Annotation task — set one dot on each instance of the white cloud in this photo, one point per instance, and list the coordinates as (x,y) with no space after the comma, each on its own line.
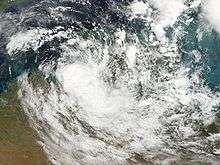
(211,9)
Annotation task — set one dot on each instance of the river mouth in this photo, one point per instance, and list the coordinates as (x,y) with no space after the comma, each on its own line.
(113,82)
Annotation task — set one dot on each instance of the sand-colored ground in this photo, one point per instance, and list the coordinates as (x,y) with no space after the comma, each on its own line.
(18,142)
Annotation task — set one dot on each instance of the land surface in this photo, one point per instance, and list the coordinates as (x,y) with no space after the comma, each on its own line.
(18,142)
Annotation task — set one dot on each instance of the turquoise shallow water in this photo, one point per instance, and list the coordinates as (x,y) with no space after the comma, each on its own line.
(206,42)
(210,45)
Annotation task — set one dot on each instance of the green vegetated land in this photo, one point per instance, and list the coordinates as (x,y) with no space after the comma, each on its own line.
(18,142)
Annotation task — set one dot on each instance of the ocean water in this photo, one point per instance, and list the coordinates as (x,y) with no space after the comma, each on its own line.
(117,82)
